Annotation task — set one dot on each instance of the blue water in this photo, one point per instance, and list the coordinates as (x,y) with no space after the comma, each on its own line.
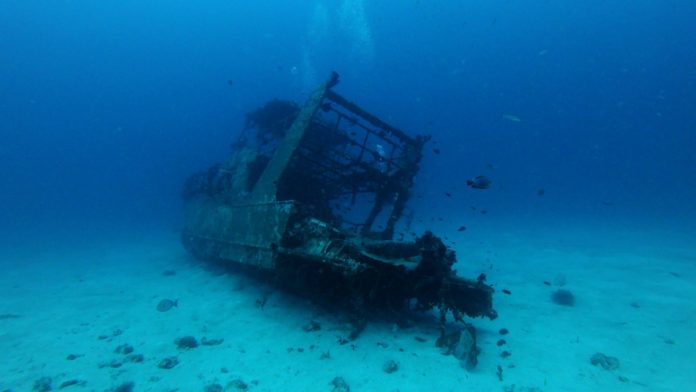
(106,107)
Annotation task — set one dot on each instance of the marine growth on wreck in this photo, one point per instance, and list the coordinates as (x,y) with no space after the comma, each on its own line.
(312,195)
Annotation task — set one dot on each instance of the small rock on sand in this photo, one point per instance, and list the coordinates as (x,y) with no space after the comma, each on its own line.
(213,388)
(340,385)
(605,361)
(125,387)
(186,342)
(237,385)
(390,366)
(42,385)
(563,297)
(168,363)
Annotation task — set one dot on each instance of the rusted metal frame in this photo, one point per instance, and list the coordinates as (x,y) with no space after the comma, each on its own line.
(265,203)
(353,162)
(351,223)
(227,242)
(396,212)
(266,186)
(346,265)
(368,116)
(377,133)
(350,159)
(363,190)
(346,180)
(374,212)
(339,117)
(389,160)
(322,164)
(342,177)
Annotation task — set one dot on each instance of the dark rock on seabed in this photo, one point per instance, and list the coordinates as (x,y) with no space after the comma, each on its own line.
(186,342)
(605,361)
(168,363)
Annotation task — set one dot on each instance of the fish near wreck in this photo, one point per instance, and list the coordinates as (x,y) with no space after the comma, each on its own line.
(308,199)
(167,304)
(479,182)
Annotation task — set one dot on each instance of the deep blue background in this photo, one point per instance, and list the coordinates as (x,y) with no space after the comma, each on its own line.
(106,107)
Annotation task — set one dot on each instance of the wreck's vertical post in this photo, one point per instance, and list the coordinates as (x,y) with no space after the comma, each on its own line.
(266,188)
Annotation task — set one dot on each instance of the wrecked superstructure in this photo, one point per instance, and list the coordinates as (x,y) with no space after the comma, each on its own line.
(312,196)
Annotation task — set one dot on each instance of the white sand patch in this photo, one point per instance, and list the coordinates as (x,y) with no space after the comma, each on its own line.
(633,303)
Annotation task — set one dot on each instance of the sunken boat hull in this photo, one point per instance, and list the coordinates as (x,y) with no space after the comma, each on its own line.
(312,196)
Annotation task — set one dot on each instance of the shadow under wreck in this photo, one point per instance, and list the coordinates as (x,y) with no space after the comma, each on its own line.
(311,195)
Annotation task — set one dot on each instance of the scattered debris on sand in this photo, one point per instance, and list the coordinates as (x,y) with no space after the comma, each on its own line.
(605,361)
(563,297)
(339,385)
(237,385)
(186,342)
(213,388)
(461,344)
(168,363)
(312,326)
(390,366)
(125,387)
(72,382)
(124,349)
(211,342)
(43,384)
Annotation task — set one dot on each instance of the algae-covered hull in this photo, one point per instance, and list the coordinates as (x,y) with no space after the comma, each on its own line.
(313,195)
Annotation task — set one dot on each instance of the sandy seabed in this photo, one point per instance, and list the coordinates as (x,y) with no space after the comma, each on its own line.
(65,310)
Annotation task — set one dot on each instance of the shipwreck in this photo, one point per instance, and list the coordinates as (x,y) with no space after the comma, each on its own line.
(314,196)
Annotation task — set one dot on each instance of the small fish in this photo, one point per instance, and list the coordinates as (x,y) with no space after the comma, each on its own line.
(461,228)
(230,83)
(541,192)
(479,182)
(506,291)
(436,151)
(547,283)
(448,194)
(166,304)
(512,117)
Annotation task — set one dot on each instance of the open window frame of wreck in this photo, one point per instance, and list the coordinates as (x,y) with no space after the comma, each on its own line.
(312,195)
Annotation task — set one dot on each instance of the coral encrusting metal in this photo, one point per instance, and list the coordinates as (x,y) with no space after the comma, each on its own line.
(313,195)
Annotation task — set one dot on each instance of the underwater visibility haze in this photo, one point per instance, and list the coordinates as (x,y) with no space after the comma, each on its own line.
(558,163)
